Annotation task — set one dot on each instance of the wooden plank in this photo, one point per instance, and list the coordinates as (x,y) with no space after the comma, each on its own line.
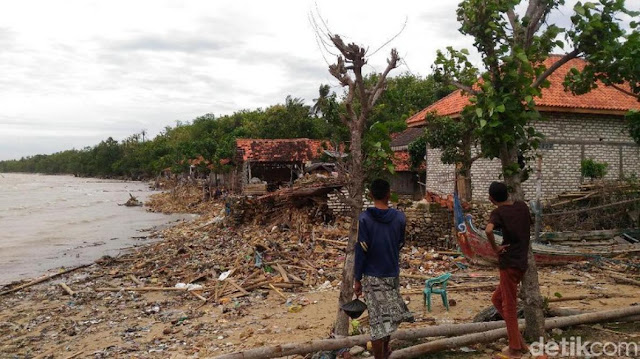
(283,273)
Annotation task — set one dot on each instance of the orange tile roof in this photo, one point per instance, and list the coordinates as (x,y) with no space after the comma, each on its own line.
(280,150)
(554,98)
(402,161)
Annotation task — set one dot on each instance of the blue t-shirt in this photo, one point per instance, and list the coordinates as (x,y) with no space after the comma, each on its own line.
(380,238)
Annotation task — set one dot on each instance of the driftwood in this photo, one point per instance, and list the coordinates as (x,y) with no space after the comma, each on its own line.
(589,209)
(565,312)
(488,336)
(482,332)
(346,342)
(193,292)
(568,299)
(144,289)
(135,280)
(67,289)
(277,291)
(43,279)
(282,272)
(624,280)
(462,288)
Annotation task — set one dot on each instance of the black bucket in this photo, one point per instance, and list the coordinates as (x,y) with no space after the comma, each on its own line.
(354,308)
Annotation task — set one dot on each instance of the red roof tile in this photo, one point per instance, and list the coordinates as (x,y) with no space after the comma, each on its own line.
(554,98)
(402,161)
(279,150)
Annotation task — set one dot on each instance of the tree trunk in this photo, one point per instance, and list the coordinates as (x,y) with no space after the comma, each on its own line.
(533,309)
(302,348)
(483,331)
(492,335)
(466,192)
(355,187)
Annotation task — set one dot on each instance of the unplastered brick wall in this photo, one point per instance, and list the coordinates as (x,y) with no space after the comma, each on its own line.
(569,138)
(337,205)
(440,176)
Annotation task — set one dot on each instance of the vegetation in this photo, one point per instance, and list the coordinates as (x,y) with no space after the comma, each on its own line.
(455,138)
(513,42)
(592,169)
(213,137)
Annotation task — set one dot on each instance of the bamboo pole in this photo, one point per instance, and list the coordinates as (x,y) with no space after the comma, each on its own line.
(346,342)
(277,291)
(144,289)
(491,335)
(43,279)
(135,280)
(282,272)
(624,280)
(67,289)
(488,331)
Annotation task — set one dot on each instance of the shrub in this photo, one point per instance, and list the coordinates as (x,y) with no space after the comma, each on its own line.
(592,169)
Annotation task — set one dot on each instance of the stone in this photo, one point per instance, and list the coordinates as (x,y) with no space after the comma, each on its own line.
(357,350)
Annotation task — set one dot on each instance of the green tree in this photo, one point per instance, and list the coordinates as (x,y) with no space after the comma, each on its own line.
(455,139)
(513,47)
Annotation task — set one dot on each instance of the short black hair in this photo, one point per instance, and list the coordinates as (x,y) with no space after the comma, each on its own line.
(498,191)
(379,189)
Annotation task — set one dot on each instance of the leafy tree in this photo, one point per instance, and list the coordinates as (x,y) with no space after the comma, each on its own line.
(513,47)
(359,102)
(592,169)
(455,138)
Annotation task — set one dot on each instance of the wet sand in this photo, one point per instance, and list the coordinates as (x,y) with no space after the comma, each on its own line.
(52,221)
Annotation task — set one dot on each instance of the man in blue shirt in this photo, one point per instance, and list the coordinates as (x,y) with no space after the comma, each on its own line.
(380,237)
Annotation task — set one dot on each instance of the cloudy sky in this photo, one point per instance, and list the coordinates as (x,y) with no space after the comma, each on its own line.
(75,72)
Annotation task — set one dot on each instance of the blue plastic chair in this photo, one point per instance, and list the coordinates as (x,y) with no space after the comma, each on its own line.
(429,285)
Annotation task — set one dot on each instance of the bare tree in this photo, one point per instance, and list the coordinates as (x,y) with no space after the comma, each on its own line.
(359,102)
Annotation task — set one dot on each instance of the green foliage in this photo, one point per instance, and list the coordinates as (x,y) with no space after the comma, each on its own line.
(513,48)
(613,55)
(213,137)
(417,152)
(592,169)
(633,118)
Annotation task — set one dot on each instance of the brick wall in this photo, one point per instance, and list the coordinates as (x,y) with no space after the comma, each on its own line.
(569,138)
(337,205)
(440,176)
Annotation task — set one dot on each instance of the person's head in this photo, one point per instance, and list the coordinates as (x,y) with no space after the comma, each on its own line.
(380,190)
(498,192)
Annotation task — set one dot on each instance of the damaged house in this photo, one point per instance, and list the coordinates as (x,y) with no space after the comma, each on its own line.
(576,127)
(266,164)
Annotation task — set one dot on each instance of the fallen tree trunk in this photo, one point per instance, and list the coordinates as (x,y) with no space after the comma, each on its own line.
(624,280)
(565,312)
(491,335)
(482,332)
(346,342)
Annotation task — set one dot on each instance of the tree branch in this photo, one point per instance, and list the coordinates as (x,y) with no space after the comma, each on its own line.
(464,88)
(392,63)
(572,55)
(626,92)
(515,27)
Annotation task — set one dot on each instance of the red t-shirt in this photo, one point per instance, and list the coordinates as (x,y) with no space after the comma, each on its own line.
(514,221)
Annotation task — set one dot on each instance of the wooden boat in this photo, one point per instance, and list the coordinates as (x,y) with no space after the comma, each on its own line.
(475,246)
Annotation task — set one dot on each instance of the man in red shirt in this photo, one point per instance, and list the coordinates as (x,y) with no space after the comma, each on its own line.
(514,220)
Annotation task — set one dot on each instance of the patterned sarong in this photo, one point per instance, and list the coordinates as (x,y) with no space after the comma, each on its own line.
(385,305)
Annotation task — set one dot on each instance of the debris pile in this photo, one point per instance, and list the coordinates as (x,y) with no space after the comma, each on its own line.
(184,198)
(131,202)
(231,278)
(595,206)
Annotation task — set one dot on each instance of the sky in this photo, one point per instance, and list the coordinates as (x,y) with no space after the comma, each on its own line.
(75,72)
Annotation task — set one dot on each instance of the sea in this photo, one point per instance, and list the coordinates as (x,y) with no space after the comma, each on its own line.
(48,222)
